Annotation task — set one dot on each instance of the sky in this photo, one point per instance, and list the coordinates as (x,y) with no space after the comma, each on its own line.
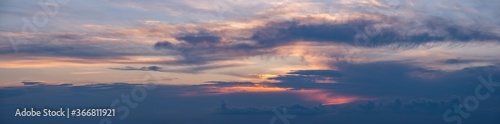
(259,61)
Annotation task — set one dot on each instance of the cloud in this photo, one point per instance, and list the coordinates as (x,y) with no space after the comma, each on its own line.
(31,83)
(149,68)
(38,83)
(259,33)
(306,78)
(387,79)
(198,39)
(458,61)
(369,32)
(71,45)
(295,109)
(210,52)
(378,87)
(241,107)
(190,69)
(366,31)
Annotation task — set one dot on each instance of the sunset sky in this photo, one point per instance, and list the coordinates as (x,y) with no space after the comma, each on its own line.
(236,61)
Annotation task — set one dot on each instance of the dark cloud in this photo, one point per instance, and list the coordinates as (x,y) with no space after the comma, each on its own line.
(31,83)
(200,39)
(327,73)
(295,110)
(72,45)
(76,49)
(209,52)
(361,32)
(167,104)
(163,44)
(37,83)
(388,79)
(163,104)
(207,47)
(281,33)
(459,61)
(190,69)
(226,84)
(149,68)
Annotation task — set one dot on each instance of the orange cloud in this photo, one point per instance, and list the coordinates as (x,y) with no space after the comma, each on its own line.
(252,89)
(314,95)
(41,62)
(216,90)
(326,98)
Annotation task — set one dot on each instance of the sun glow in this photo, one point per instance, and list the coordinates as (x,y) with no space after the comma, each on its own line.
(253,89)
(326,98)
(266,76)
